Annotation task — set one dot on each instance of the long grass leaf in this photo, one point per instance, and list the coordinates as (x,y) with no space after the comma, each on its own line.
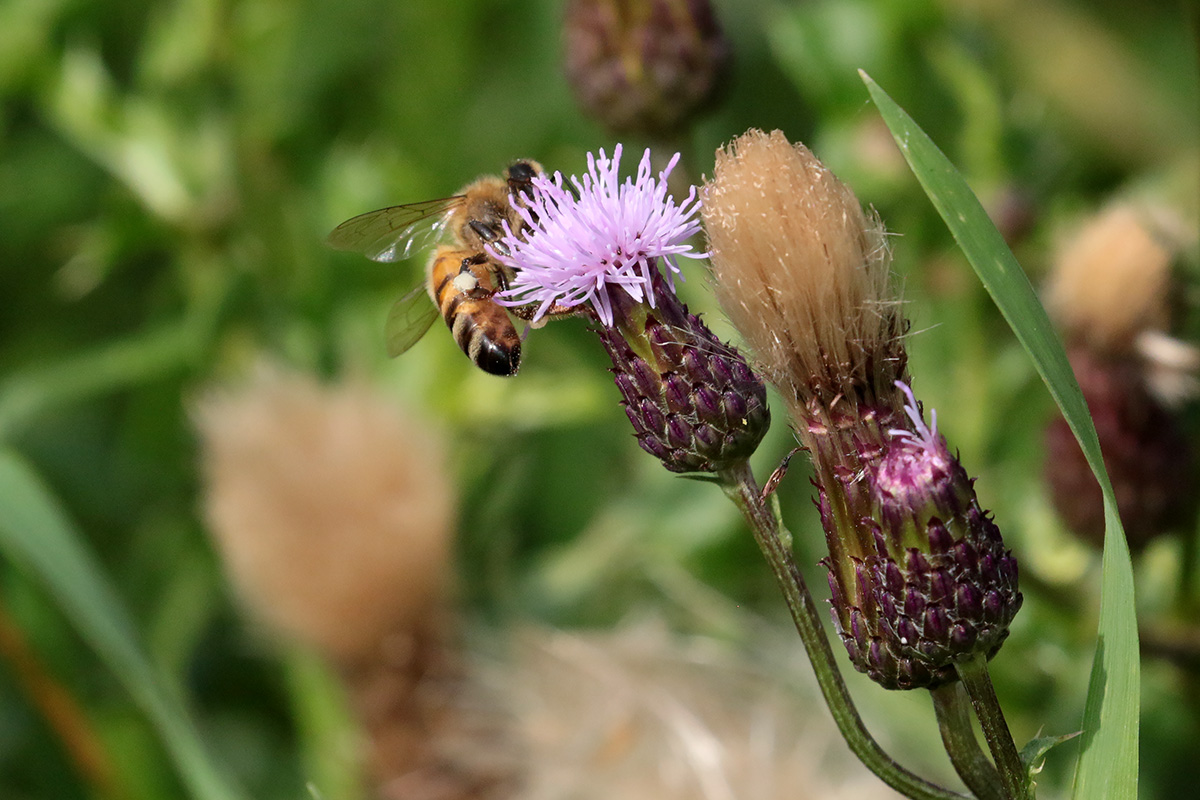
(36,535)
(1108,763)
(113,365)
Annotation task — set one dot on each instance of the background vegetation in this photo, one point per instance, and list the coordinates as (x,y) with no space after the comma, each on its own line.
(168,172)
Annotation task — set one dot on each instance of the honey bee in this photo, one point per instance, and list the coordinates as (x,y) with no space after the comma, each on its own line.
(462,277)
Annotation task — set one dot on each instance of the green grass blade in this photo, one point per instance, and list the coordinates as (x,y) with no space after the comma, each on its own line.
(36,534)
(1108,763)
(104,368)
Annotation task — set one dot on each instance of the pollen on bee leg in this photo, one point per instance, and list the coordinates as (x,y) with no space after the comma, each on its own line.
(465,282)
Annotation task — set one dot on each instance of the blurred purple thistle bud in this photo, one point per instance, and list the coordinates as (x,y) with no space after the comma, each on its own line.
(918,572)
(693,401)
(1146,452)
(643,66)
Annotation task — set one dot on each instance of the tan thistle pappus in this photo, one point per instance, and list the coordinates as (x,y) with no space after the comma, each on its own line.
(802,271)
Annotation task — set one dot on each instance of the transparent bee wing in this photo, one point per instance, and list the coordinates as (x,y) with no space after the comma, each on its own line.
(396,232)
(408,321)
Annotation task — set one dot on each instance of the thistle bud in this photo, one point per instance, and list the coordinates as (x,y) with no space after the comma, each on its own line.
(918,572)
(920,576)
(693,401)
(643,66)
(1146,454)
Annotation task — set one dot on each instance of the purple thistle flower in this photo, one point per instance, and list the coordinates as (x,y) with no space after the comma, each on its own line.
(575,249)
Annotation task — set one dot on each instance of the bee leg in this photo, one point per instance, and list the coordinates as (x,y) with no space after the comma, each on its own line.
(466,282)
(555,311)
(489,234)
(501,276)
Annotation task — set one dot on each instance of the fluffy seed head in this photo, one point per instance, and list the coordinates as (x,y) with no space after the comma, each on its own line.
(332,511)
(802,272)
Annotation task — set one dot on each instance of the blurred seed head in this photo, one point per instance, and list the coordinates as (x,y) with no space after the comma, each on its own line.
(640,714)
(918,571)
(643,66)
(1110,282)
(332,510)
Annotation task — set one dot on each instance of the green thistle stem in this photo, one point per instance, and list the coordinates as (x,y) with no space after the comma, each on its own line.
(974,675)
(739,485)
(958,737)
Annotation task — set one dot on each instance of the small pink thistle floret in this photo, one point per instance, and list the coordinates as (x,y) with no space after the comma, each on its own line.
(919,466)
(925,436)
(574,249)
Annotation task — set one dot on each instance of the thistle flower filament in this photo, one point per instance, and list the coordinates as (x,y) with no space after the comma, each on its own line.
(612,236)
(922,434)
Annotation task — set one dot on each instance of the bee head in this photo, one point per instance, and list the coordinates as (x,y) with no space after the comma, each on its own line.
(520,175)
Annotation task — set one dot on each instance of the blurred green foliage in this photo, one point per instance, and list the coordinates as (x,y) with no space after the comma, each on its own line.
(168,172)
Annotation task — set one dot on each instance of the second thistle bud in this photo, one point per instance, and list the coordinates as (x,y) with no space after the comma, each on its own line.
(919,575)
(693,401)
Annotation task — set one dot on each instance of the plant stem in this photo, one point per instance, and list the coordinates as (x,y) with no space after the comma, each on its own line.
(958,737)
(739,484)
(974,675)
(60,710)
